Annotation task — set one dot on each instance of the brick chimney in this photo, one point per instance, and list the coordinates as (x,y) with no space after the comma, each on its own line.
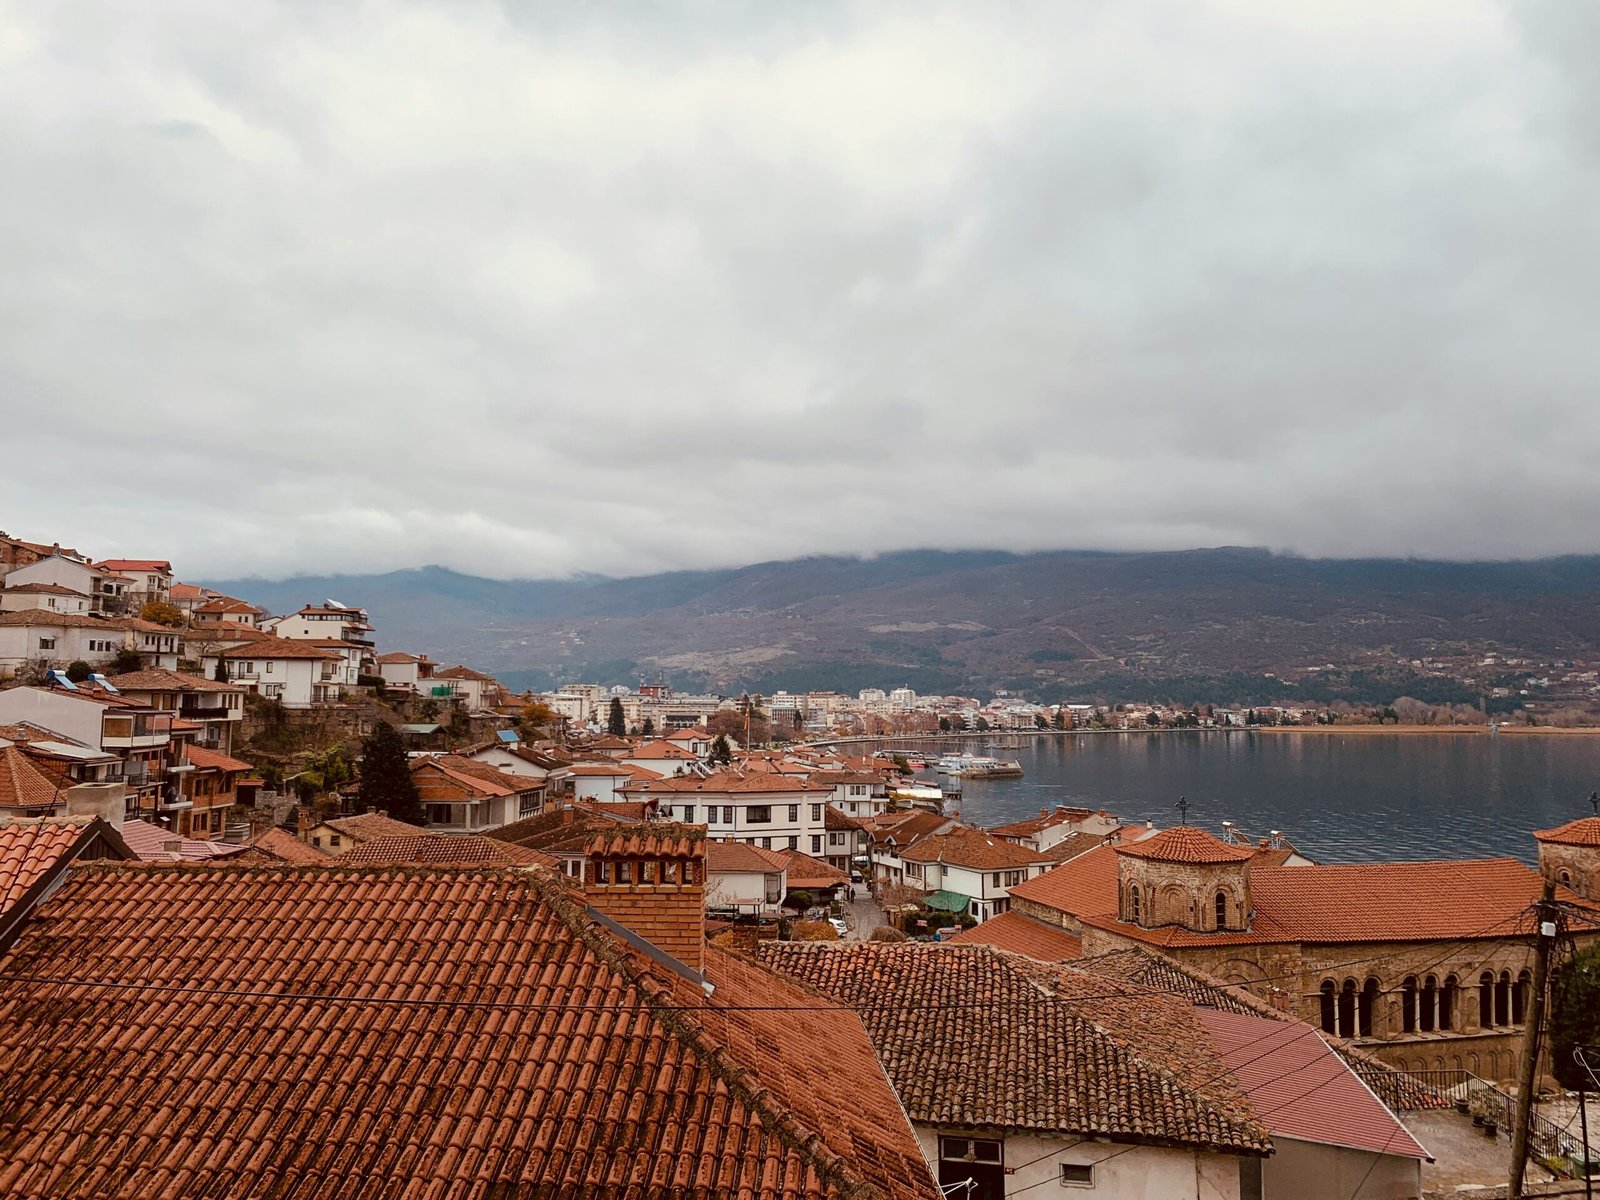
(305,820)
(653,884)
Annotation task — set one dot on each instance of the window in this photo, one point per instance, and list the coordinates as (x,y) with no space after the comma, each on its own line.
(267,670)
(688,814)
(1221,906)
(969,1150)
(858,789)
(794,843)
(1486,1000)
(1447,1002)
(1519,997)
(758,814)
(816,843)
(1347,1009)
(1502,999)
(727,813)
(766,843)
(1368,1004)
(47,643)
(994,880)
(794,813)
(1408,1005)
(1428,1012)
(1133,902)
(816,812)
(834,839)
(1074,1175)
(439,814)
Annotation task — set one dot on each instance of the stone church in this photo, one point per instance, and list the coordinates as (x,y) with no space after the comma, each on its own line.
(1428,964)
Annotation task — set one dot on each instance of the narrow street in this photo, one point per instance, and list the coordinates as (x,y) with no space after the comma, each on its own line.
(864,915)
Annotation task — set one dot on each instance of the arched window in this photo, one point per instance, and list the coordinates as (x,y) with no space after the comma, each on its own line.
(1447,1002)
(1329,1012)
(1429,1014)
(1133,903)
(1222,910)
(1486,1000)
(1502,999)
(1347,1009)
(1519,998)
(1566,878)
(1369,1002)
(1408,1005)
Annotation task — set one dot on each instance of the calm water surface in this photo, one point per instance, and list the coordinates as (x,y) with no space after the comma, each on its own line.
(1340,798)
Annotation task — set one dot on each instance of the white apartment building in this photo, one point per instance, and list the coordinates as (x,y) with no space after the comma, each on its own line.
(775,812)
(107,590)
(51,597)
(55,639)
(297,674)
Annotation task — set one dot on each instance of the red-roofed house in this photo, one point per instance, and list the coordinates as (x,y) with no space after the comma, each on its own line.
(744,879)
(462,796)
(773,811)
(970,865)
(298,674)
(151,579)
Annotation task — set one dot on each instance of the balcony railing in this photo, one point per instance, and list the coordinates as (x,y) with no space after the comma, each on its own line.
(205,712)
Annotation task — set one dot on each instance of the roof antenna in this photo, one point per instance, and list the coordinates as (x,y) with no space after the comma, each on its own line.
(1183,811)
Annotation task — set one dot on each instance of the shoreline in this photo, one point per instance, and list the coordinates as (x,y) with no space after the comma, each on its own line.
(997,735)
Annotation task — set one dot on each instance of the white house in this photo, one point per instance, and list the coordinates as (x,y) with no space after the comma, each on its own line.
(473,689)
(328,622)
(56,639)
(970,871)
(1052,826)
(661,758)
(405,672)
(51,597)
(297,674)
(140,735)
(775,812)
(150,579)
(461,796)
(744,879)
(107,590)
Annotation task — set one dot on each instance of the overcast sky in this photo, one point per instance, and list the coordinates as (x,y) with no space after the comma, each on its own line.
(311,287)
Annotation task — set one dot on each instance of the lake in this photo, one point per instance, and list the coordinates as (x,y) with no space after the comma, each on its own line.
(1338,797)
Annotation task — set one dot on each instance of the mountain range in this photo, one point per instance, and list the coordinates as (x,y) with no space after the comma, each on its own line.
(1231,625)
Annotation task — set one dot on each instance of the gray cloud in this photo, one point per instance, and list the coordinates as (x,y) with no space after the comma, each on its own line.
(534,289)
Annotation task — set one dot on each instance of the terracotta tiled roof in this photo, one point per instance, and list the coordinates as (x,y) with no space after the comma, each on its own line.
(665,839)
(31,848)
(971,1036)
(566,831)
(807,873)
(162,680)
(1074,844)
(1323,904)
(1583,832)
(151,843)
(903,827)
(365,826)
(25,783)
(211,760)
(732,858)
(274,647)
(1048,819)
(444,849)
(398,656)
(832,818)
(1302,1088)
(226,604)
(45,589)
(285,847)
(588,1070)
(462,673)
(1152,969)
(1186,844)
(1023,935)
(963,847)
(147,565)
(60,620)
(653,750)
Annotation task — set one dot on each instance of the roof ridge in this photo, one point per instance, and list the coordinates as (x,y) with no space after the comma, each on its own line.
(788,1127)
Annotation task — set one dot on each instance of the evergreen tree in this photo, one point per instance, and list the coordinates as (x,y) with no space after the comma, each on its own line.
(616,722)
(649,729)
(721,752)
(1575,1019)
(386,782)
(221,673)
(78,670)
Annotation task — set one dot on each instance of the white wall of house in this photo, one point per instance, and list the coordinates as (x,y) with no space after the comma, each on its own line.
(503,760)
(56,645)
(399,674)
(1145,1173)
(1313,1171)
(747,891)
(773,821)
(78,719)
(16,600)
(297,682)
(601,788)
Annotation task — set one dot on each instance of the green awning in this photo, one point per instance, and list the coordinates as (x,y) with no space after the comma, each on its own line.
(947,901)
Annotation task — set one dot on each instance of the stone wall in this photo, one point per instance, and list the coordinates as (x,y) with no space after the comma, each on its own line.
(1576,867)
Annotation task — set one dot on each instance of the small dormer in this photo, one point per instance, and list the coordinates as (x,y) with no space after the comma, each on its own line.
(1186,877)
(1570,856)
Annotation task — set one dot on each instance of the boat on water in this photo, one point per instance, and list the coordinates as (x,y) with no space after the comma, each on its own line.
(979,766)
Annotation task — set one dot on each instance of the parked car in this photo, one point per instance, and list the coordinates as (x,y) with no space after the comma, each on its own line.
(839,926)
(855,877)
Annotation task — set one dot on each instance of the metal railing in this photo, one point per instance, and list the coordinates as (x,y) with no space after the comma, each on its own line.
(1545,1137)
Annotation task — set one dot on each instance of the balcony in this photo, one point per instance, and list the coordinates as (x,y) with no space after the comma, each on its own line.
(148,740)
(207,712)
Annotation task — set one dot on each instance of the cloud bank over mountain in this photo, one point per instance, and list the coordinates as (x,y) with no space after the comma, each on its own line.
(530,291)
